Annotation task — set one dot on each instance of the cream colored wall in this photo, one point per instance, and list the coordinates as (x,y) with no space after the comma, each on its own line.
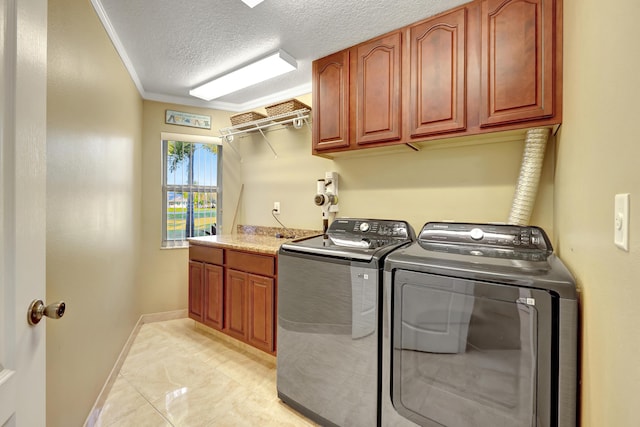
(164,273)
(598,152)
(457,182)
(94,124)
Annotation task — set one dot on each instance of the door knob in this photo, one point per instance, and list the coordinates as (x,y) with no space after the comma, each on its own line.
(38,309)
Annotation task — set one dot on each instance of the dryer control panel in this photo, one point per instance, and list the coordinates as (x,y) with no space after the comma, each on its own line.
(491,235)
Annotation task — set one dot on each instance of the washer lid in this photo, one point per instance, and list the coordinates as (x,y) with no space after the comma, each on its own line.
(355,238)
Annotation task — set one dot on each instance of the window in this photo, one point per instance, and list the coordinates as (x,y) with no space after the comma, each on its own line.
(191,188)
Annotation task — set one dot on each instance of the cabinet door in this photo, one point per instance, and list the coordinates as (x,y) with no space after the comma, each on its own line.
(213,296)
(517,60)
(331,101)
(378,96)
(236,304)
(196,300)
(261,312)
(438,75)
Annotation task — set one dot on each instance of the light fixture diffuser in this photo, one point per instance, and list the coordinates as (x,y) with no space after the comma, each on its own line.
(256,72)
(252,3)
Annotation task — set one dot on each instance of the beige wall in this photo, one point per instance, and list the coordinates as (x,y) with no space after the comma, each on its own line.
(598,152)
(94,123)
(163,278)
(449,182)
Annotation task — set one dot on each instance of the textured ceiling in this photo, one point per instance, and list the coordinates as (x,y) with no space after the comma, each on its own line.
(170,46)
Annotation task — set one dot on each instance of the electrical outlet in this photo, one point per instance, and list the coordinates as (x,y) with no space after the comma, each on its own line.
(276,208)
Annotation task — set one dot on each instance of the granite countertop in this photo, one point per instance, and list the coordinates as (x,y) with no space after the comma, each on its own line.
(253,238)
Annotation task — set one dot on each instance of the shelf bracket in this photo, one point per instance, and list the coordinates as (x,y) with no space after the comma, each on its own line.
(268,143)
(228,139)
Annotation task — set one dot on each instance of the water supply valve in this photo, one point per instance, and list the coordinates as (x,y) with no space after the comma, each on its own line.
(327,197)
(327,193)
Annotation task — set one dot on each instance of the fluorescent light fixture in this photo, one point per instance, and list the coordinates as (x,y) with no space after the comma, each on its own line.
(252,3)
(256,72)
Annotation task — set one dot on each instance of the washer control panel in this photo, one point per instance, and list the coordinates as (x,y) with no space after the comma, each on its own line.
(492,235)
(374,232)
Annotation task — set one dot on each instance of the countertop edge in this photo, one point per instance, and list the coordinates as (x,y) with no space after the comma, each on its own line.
(261,240)
(247,247)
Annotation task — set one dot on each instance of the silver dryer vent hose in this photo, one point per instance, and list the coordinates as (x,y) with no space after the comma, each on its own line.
(525,195)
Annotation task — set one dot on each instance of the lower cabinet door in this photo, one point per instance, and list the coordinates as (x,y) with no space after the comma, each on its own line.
(196,301)
(213,296)
(236,304)
(261,312)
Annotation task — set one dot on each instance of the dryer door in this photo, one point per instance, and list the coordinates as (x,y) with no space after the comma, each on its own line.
(470,353)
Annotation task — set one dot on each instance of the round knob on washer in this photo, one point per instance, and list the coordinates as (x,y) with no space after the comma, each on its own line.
(364,227)
(477,234)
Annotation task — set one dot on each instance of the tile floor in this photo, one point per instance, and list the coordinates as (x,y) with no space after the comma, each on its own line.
(177,375)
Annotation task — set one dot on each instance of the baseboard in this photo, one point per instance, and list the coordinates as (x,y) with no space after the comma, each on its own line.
(161,317)
(267,357)
(144,319)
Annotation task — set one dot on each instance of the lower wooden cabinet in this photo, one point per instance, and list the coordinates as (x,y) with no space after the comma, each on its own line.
(213,296)
(261,310)
(236,303)
(196,291)
(250,308)
(231,297)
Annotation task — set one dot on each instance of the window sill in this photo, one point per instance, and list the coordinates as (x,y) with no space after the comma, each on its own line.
(183,245)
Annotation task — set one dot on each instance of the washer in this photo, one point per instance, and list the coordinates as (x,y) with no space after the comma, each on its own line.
(328,320)
(479,329)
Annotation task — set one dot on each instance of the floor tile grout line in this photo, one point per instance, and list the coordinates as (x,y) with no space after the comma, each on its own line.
(146,400)
(218,371)
(145,319)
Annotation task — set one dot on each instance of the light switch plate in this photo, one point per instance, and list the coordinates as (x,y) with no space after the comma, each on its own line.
(621,221)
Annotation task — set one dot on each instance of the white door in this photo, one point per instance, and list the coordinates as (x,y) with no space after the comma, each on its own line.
(23,61)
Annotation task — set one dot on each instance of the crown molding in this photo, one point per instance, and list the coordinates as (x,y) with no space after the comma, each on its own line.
(230,106)
(97,6)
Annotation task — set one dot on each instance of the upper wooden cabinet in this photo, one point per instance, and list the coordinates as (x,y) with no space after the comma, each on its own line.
(330,110)
(517,60)
(376,71)
(486,66)
(437,69)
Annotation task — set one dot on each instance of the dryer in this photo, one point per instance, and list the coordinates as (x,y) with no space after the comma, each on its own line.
(480,328)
